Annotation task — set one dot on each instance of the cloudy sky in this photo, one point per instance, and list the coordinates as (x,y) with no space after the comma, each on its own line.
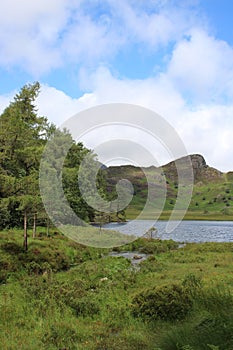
(174,57)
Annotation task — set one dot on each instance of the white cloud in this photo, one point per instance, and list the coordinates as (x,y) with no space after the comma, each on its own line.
(202,66)
(156,93)
(89,42)
(43,35)
(155,25)
(5,100)
(205,129)
(30,32)
(194,92)
(56,105)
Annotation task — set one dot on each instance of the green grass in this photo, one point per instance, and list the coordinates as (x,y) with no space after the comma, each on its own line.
(64,295)
(96,237)
(133,213)
(210,201)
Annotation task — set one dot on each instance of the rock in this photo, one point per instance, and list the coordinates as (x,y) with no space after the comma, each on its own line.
(103,279)
(198,161)
(137,257)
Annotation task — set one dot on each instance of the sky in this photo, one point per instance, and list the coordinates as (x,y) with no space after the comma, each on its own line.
(174,57)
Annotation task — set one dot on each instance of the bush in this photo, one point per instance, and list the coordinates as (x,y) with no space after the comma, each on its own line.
(7,265)
(192,284)
(12,248)
(85,307)
(211,323)
(169,302)
(38,269)
(55,258)
(151,264)
(157,246)
(3,277)
(62,336)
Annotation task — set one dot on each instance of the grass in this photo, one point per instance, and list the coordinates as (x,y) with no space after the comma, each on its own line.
(133,213)
(64,295)
(210,201)
(96,237)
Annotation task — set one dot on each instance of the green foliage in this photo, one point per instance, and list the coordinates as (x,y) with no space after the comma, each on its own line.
(211,326)
(85,307)
(149,246)
(192,284)
(61,335)
(182,296)
(157,246)
(23,137)
(169,302)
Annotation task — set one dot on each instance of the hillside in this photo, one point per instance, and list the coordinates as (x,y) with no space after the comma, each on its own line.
(212,193)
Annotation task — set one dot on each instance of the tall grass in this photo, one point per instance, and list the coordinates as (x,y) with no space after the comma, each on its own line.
(210,325)
(63,295)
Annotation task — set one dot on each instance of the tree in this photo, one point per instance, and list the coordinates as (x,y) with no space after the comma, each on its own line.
(23,135)
(101,218)
(22,132)
(26,158)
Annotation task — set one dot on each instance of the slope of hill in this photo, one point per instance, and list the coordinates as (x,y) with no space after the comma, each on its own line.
(212,196)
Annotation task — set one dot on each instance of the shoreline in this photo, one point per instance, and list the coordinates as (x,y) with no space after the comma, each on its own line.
(189,216)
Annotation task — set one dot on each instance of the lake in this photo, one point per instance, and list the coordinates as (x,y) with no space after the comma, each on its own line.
(187,231)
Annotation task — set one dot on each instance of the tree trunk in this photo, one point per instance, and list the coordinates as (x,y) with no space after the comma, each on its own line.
(25,241)
(34,226)
(47,227)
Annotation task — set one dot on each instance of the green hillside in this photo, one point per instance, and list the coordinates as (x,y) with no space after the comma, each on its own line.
(212,197)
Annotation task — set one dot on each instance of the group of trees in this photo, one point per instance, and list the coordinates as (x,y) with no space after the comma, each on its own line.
(23,137)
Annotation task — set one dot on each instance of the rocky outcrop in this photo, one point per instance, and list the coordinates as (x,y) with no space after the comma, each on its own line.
(198,163)
(201,171)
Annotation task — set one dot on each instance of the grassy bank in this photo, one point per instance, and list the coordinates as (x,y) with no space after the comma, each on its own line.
(132,213)
(63,295)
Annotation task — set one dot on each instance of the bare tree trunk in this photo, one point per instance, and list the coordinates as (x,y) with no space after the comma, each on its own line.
(117,213)
(25,241)
(47,227)
(34,226)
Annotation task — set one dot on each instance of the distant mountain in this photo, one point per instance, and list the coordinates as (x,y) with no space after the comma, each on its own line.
(213,190)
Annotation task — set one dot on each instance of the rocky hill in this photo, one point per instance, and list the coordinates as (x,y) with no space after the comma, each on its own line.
(201,171)
(213,190)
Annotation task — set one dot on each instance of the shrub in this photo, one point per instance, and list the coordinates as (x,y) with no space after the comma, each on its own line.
(151,264)
(192,284)
(35,268)
(12,248)
(157,246)
(85,307)
(169,302)
(7,265)
(61,335)
(55,258)
(211,326)
(123,342)
(3,277)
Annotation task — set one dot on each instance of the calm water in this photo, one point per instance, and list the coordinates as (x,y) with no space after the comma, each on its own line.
(187,231)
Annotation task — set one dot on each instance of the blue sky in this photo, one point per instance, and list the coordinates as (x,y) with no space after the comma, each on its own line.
(172,56)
